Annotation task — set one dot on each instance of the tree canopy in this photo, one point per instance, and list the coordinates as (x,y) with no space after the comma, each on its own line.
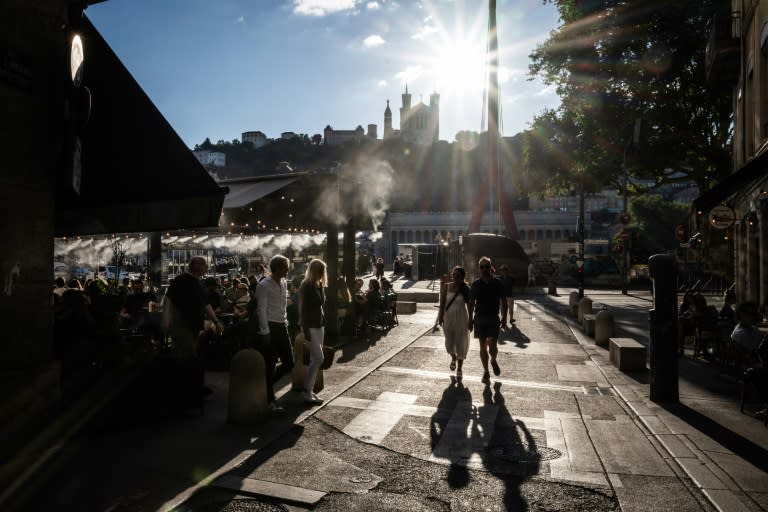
(614,62)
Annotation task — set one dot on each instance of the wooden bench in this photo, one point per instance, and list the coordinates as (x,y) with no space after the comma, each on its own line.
(626,354)
(588,324)
(405,307)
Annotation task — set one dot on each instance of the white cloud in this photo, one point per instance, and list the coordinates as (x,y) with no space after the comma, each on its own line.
(373,40)
(547,91)
(241,19)
(382,83)
(426,31)
(506,74)
(322,7)
(410,73)
(373,5)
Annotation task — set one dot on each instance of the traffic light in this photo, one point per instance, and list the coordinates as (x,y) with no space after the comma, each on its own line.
(618,249)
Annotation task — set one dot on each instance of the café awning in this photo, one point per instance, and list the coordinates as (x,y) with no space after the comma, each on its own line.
(739,182)
(244,193)
(137,173)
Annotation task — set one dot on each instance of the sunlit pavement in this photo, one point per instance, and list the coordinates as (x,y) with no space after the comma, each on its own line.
(559,429)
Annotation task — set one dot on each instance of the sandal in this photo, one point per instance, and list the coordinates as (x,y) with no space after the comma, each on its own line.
(453,365)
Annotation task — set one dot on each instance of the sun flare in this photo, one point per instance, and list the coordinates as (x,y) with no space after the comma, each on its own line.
(460,67)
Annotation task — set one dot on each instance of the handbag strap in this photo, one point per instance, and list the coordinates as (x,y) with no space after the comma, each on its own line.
(451,301)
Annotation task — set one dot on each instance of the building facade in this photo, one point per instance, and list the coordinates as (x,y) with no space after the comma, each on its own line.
(737,58)
(214,158)
(537,229)
(419,124)
(257,138)
(338,137)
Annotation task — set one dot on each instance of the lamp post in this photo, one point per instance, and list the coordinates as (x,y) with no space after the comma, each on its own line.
(625,268)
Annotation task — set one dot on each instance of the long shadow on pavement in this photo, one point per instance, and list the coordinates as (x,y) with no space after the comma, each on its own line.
(739,445)
(510,453)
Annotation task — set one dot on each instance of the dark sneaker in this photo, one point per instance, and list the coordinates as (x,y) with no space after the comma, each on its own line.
(274,407)
(496,369)
(486,377)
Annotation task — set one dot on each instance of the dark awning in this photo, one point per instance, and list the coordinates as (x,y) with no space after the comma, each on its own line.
(740,181)
(248,191)
(137,174)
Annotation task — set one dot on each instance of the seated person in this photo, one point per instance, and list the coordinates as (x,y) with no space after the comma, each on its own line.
(240,306)
(134,314)
(745,335)
(726,312)
(359,310)
(387,292)
(373,299)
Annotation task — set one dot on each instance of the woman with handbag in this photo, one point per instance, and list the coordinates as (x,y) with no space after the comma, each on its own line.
(312,320)
(454,318)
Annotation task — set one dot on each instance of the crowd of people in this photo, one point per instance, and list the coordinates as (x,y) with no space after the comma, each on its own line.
(266,311)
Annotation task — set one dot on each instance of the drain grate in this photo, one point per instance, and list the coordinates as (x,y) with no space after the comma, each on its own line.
(517,452)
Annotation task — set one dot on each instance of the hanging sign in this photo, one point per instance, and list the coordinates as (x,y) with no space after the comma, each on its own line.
(721,217)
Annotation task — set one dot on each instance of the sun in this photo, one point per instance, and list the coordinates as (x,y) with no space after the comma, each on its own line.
(460,67)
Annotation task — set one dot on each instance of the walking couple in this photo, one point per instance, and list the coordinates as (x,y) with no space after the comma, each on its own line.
(464,308)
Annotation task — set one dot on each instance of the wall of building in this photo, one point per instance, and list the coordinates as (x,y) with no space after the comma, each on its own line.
(31,139)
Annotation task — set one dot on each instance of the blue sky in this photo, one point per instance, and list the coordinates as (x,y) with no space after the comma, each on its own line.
(219,68)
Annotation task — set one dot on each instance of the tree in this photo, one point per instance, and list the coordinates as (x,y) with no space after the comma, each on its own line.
(655,219)
(317,139)
(615,61)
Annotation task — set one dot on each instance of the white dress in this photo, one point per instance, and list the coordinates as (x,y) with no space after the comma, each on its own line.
(455,320)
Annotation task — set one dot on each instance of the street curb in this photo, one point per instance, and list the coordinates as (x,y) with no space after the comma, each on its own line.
(703,472)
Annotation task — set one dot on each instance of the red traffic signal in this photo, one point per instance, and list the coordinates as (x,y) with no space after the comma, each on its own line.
(618,249)
(680,233)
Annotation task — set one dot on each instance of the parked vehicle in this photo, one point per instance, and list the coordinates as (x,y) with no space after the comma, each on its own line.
(108,272)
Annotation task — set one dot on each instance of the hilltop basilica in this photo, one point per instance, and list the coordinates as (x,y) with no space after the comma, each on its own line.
(419,124)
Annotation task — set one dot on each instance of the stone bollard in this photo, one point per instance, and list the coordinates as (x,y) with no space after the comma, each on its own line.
(603,327)
(247,388)
(573,302)
(585,308)
(299,372)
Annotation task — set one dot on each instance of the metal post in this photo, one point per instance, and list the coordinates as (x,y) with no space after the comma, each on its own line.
(580,229)
(662,269)
(625,253)
(332,255)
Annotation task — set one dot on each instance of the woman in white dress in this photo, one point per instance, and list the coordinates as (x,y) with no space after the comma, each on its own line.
(454,318)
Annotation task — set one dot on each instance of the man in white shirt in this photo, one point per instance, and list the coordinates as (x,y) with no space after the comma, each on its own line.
(271,303)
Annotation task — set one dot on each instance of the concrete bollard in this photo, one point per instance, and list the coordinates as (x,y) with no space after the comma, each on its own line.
(604,328)
(585,308)
(299,372)
(573,302)
(247,388)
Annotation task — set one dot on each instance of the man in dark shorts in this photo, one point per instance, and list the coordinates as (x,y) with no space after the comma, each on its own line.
(485,298)
(509,295)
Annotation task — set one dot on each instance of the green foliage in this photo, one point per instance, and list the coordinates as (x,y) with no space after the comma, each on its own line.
(615,61)
(655,219)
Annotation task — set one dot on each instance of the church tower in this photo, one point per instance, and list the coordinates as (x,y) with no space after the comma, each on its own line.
(434,108)
(404,110)
(387,122)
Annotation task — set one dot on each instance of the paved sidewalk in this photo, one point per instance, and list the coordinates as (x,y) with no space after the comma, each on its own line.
(724,452)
